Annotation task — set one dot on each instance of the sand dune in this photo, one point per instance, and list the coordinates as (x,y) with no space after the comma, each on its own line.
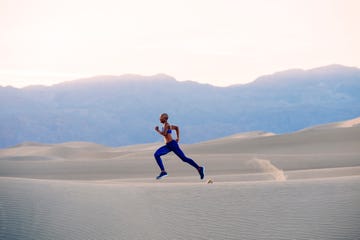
(316,148)
(302,185)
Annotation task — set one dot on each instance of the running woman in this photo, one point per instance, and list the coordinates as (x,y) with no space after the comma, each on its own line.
(172,145)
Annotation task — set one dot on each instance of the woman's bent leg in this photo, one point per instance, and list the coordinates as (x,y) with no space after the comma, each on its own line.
(176,149)
(161,151)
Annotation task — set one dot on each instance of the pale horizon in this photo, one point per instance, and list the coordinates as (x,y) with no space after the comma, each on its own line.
(216,42)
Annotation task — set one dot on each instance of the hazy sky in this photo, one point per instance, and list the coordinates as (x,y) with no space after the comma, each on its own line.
(220,42)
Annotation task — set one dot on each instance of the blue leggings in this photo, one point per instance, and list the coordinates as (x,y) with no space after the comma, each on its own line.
(174,147)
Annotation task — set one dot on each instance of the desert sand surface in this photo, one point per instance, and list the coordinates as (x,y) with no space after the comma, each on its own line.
(301,185)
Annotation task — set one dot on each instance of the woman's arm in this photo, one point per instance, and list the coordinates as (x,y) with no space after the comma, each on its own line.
(177,130)
(164,132)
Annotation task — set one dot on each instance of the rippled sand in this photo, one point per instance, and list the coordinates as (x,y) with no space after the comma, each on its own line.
(47,209)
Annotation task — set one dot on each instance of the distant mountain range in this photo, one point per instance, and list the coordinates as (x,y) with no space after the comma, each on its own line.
(123,110)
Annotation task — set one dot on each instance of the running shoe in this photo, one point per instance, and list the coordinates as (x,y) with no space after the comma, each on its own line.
(162,174)
(201,171)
